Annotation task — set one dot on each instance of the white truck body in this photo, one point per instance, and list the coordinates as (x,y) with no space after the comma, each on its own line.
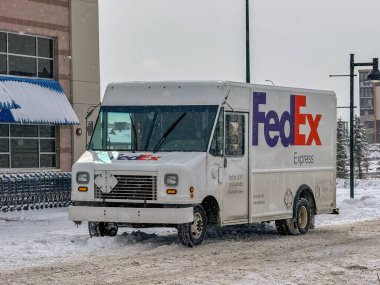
(262,147)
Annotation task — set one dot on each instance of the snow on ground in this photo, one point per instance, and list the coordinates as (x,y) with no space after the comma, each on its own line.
(364,206)
(45,236)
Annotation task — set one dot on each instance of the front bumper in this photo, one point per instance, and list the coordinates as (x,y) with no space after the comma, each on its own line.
(131,215)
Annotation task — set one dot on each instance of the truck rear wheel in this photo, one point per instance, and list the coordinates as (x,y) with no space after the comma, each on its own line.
(100,229)
(303,216)
(193,234)
(298,225)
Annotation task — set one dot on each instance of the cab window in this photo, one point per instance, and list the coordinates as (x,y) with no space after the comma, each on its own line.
(235,125)
(217,144)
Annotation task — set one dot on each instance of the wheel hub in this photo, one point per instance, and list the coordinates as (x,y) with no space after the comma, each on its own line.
(197,226)
(302,217)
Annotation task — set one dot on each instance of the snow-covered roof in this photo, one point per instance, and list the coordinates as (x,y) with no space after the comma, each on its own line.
(30,100)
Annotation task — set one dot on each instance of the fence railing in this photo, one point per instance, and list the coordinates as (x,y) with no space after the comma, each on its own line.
(36,190)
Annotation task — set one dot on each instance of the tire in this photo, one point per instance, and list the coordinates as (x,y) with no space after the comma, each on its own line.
(299,225)
(303,216)
(292,227)
(100,229)
(282,227)
(193,234)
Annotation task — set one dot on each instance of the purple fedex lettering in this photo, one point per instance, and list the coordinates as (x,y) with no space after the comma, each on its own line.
(271,123)
(274,127)
(258,117)
(271,127)
(287,117)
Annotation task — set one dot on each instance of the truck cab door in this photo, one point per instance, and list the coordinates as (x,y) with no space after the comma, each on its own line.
(228,167)
(235,176)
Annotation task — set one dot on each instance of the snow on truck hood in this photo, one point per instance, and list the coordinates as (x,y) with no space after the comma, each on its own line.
(139,161)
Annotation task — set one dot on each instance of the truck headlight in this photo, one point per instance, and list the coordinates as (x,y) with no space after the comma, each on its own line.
(171,179)
(83,177)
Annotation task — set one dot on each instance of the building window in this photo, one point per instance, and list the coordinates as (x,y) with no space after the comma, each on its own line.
(366,93)
(366,111)
(366,103)
(369,139)
(369,124)
(23,55)
(363,79)
(27,146)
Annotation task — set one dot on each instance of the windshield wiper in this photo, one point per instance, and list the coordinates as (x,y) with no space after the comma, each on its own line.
(135,134)
(149,138)
(168,131)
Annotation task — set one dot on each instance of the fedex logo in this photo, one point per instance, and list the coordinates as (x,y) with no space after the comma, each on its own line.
(274,125)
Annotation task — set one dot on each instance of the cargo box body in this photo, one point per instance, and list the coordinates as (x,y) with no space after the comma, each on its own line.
(246,153)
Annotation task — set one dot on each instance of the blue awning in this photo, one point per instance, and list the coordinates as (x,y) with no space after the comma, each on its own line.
(34,101)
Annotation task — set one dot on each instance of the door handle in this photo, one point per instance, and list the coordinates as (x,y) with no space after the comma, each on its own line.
(220,174)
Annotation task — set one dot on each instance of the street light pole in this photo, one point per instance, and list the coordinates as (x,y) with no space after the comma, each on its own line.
(247,55)
(374,77)
(352,165)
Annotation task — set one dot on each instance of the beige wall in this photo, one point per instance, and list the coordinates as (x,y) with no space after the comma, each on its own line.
(85,65)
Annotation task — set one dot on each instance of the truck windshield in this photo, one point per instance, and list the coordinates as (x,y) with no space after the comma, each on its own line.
(154,128)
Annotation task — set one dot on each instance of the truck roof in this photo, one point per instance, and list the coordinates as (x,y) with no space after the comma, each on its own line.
(186,92)
(165,93)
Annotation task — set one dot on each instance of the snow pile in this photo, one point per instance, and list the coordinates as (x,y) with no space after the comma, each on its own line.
(45,236)
(364,206)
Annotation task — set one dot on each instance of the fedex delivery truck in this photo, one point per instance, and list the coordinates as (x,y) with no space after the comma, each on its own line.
(191,154)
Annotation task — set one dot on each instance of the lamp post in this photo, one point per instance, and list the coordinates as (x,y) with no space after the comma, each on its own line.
(374,77)
(247,56)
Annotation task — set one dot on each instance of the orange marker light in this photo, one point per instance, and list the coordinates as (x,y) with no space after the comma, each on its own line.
(171,191)
(83,189)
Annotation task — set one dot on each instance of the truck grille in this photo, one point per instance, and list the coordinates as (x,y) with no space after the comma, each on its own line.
(131,187)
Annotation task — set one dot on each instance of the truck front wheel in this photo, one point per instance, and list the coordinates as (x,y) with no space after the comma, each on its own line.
(193,234)
(282,227)
(100,229)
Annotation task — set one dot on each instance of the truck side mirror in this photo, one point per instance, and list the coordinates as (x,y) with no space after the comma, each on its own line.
(90,128)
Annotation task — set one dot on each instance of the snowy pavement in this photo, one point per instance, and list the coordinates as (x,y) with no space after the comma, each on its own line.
(28,238)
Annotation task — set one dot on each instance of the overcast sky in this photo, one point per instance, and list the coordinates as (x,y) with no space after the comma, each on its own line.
(293,42)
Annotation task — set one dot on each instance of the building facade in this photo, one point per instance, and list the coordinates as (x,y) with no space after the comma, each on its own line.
(40,43)
(84,67)
(369,107)
(344,126)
